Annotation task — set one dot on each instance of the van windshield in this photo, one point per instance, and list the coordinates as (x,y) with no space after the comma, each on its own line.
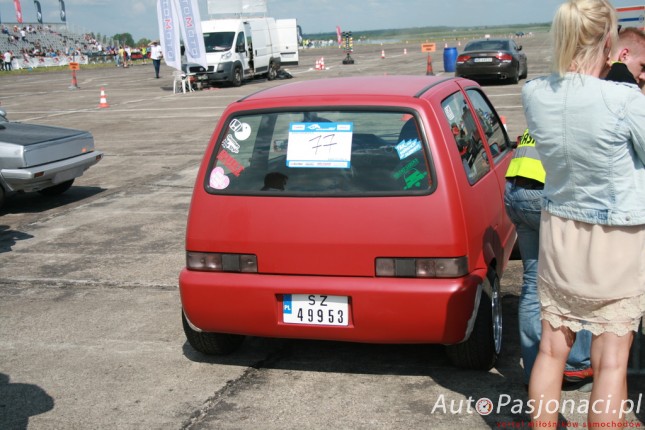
(321,153)
(219,41)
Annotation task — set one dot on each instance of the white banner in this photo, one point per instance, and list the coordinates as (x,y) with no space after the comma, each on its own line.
(191,29)
(169,32)
(35,62)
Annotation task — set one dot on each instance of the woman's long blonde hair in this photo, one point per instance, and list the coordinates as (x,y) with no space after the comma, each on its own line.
(580,31)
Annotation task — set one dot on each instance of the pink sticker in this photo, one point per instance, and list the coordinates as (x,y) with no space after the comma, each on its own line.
(230,162)
(218,179)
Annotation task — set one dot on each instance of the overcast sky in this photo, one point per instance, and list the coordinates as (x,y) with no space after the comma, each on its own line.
(139,17)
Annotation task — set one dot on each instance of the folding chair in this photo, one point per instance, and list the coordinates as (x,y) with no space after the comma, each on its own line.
(180,78)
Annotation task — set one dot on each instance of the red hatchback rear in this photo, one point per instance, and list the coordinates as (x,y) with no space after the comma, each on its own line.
(357,209)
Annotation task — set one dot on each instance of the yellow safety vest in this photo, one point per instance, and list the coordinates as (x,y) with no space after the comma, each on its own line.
(526,161)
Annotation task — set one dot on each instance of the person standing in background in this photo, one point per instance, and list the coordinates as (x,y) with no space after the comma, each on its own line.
(628,58)
(525,178)
(155,55)
(591,270)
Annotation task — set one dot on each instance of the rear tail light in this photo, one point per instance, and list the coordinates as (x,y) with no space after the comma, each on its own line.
(462,58)
(505,58)
(422,267)
(216,262)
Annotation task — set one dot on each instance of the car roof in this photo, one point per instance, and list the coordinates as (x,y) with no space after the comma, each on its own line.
(386,86)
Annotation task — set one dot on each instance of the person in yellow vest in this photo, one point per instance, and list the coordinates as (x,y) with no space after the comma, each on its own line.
(523,201)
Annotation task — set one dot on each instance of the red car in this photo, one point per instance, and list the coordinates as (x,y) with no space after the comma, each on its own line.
(362,209)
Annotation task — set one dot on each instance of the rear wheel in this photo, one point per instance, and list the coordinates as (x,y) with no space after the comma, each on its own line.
(211,343)
(525,73)
(273,71)
(481,349)
(516,76)
(57,189)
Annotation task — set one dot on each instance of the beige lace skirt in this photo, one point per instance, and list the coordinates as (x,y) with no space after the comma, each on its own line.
(591,276)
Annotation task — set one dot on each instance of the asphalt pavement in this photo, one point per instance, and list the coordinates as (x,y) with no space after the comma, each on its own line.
(90,323)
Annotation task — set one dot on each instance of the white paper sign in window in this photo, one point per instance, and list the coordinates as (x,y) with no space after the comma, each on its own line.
(320,144)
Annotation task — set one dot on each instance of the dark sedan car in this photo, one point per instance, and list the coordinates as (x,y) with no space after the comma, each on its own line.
(492,59)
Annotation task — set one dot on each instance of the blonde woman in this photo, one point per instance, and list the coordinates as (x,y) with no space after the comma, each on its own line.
(591,270)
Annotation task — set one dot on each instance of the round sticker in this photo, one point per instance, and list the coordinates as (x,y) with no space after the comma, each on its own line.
(218,179)
(484,406)
(243,132)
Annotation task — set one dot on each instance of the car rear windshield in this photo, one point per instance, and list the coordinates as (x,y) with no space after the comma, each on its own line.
(322,153)
(488,45)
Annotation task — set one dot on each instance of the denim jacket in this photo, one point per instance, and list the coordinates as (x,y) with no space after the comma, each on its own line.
(590,135)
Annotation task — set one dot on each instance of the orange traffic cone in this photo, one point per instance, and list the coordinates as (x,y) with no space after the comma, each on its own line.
(405,51)
(322,63)
(317,64)
(503,118)
(429,70)
(383,53)
(103,101)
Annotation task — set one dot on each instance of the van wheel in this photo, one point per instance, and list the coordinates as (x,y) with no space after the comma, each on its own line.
(237,76)
(481,349)
(211,343)
(57,189)
(273,72)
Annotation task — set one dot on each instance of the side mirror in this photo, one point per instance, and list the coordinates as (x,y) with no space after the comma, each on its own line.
(517,142)
(519,47)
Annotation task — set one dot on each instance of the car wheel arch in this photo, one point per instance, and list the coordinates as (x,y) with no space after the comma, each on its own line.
(480,349)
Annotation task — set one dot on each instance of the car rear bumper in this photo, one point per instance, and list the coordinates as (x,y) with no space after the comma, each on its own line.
(46,175)
(487,71)
(381,310)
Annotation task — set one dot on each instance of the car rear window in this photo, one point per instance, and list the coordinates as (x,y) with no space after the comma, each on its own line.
(330,153)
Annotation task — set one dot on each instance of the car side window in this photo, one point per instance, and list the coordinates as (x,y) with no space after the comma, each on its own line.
(467,139)
(496,135)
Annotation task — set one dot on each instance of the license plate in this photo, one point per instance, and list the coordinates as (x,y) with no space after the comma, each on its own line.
(483,60)
(315,309)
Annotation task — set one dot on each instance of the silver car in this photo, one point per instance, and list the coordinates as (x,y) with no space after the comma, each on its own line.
(42,158)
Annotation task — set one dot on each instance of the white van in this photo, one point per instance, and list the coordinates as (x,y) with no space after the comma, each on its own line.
(239,49)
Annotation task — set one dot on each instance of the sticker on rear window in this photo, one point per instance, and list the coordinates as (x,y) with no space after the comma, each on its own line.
(218,180)
(231,144)
(230,162)
(320,144)
(241,129)
(411,175)
(408,147)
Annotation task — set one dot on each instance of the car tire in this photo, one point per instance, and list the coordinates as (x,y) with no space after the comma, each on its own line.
(2,196)
(481,349)
(526,72)
(516,76)
(57,189)
(237,76)
(211,343)
(273,72)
